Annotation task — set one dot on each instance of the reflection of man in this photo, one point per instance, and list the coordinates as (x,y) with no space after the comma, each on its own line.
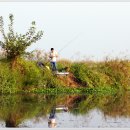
(52,123)
(53,58)
(52,120)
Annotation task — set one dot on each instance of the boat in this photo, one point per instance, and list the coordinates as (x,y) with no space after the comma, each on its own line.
(62,73)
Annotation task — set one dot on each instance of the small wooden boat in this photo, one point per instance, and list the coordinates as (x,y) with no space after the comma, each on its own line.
(62,73)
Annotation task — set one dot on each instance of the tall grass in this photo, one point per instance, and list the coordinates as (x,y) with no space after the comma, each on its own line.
(35,76)
(108,73)
(27,75)
(88,75)
(118,72)
(63,63)
(8,81)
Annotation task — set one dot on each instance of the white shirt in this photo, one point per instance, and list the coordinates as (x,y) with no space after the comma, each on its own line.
(53,56)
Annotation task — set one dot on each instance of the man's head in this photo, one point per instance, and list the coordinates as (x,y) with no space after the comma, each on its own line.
(52,123)
(52,49)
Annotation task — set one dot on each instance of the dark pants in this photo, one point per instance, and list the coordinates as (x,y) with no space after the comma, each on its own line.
(53,66)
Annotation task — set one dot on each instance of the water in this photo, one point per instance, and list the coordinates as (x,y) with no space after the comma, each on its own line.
(94,111)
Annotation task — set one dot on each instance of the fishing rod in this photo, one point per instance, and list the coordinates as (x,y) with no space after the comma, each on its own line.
(68,43)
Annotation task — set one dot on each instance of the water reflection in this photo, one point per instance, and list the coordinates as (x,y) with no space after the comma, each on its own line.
(37,110)
(52,118)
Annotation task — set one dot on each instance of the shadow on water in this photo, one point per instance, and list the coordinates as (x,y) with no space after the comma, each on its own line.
(17,109)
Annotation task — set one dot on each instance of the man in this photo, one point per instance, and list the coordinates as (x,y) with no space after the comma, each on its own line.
(52,117)
(53,58)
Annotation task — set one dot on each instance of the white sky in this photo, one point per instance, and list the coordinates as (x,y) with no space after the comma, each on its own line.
(103,29)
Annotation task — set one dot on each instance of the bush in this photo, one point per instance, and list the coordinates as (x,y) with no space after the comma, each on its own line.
(31,74)
(36,76)
(100,74)
(8,82)
(63,64)
(87,75)
(50,80)
(118,72)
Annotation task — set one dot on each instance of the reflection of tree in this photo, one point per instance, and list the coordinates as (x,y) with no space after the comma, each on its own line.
(16,108)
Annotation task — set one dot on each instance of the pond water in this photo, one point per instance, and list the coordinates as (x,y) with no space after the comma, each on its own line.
(35,110)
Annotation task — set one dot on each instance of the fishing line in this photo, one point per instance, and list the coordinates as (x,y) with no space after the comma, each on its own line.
(68,43)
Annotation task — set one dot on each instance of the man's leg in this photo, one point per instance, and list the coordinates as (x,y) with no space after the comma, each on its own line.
(52,66)
(55,66)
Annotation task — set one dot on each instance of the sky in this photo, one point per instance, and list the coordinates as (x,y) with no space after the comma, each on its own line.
(81,30)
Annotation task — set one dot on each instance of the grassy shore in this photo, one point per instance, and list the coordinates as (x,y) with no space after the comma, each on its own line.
(84,76)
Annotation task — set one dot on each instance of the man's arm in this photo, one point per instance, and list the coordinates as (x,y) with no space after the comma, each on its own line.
(56,54)
(50,55)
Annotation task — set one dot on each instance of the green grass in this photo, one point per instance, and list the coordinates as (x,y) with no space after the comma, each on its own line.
(107,73)
(27,76)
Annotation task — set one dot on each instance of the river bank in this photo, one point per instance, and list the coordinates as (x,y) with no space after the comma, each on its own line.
(27,75)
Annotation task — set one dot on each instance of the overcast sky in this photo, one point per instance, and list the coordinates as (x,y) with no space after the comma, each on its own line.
(87,30)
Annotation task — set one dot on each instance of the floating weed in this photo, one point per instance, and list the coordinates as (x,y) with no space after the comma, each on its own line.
(83,91)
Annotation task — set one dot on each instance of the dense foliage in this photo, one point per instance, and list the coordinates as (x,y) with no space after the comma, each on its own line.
(28,76)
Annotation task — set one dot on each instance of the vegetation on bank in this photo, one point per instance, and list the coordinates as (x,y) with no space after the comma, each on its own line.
(114,73)
(29,77)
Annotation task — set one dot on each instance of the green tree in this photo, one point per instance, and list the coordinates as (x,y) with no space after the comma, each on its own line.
(15,44)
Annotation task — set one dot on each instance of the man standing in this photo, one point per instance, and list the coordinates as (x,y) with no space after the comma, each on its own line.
(53,57)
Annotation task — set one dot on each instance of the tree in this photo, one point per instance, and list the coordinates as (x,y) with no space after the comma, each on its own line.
(15,44)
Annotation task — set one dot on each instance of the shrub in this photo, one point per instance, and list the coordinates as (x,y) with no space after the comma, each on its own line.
(63,64)
(8,82)
(118,72)
(50,80)
(86,75)
(89,75)
(30,73)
